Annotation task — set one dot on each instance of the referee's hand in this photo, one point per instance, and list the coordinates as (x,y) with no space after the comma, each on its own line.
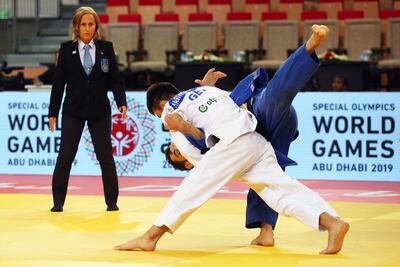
(123,109)
(52,123)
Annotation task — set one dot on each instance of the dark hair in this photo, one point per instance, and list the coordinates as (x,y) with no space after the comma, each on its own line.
(159,92)
(178,165)
(343,79)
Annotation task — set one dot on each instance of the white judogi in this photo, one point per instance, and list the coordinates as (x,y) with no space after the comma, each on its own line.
(240,153)
(198,105)
(190,152)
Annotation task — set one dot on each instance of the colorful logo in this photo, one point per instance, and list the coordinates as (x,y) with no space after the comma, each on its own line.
(133,139)
(124,135)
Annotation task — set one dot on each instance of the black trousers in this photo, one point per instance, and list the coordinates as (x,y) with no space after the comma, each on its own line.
(71,131)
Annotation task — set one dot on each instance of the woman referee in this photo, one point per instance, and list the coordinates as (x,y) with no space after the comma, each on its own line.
(88,68)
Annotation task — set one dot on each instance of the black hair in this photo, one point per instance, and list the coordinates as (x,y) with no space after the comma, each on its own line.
(343,79)
(159,92)
(178,165)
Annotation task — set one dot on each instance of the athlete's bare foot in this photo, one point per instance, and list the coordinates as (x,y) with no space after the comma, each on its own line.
(145,242)
(266,236)
(337,230)
(140,243)
(318,36)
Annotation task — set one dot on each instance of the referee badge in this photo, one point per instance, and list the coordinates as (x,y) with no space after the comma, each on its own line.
(104,65)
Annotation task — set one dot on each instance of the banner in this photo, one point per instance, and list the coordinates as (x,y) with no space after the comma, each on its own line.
(347,136)
(28,147)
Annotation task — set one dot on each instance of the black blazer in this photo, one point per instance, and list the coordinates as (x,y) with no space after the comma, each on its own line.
(86,96)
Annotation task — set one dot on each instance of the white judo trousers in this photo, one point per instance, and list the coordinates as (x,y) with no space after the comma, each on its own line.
(251,158)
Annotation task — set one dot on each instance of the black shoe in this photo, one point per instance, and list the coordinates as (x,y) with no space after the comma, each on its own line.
(112,207)
(56,209)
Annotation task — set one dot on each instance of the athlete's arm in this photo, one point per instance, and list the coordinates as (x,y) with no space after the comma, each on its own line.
(210,78)
(176,123)
(190,152)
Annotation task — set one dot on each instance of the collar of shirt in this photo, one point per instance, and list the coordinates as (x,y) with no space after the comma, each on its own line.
(92,50)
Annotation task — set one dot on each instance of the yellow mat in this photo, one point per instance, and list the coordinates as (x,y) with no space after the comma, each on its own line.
(84,235)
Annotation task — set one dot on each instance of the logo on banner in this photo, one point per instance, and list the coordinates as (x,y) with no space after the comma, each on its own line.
(133,139)
(125,135)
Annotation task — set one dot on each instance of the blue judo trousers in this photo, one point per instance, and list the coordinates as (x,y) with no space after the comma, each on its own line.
(271,103)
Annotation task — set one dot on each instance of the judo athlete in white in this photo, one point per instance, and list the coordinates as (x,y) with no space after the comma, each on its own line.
(270,102)
(236,152)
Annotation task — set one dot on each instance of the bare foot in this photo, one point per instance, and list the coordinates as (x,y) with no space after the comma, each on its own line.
(265,238)
(145,242)
(263,241)
(336,233)
(318,36)
(140,243)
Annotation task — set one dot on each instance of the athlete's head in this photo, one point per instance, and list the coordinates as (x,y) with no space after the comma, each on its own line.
(158,94)
(176,159)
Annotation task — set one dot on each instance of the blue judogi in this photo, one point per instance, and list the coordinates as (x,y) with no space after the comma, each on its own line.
(277,119)
(271,103)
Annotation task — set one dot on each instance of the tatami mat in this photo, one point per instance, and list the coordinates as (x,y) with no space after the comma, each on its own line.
(84,235)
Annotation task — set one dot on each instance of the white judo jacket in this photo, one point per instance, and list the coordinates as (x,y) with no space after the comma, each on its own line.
(212,110)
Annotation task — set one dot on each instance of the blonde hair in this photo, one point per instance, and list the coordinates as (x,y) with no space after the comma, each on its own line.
(76,21)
